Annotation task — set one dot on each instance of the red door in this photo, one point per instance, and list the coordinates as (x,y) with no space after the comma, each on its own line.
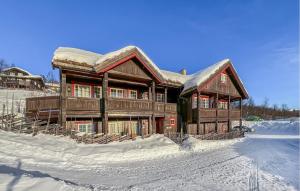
(159,125)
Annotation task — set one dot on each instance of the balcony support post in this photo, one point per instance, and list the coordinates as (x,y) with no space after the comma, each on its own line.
(229,117)
(153,108)
(104,104)
(198,113)
(62,98)
(241,108)
(217,111)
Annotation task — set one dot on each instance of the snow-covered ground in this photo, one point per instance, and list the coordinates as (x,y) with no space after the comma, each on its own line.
(46,162)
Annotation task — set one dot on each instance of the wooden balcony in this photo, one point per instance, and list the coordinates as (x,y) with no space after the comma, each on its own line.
(82,104)
(210,114)
(34,104)
(171,107)
(235,114)
(117,104)
(77,106)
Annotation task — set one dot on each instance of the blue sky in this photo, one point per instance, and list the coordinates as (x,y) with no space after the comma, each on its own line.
(260,37)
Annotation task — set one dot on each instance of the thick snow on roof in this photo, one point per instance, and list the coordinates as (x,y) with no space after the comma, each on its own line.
(199,77)
(175,77)
(29,75)
(95,59)
(76,55)
(17,68)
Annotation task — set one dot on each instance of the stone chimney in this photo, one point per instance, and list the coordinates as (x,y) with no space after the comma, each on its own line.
(183,72)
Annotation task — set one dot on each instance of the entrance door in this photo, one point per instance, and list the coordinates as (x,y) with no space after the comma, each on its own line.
(159,125)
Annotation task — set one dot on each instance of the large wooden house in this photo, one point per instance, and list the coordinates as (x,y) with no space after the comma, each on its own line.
(124,92)
(15,77)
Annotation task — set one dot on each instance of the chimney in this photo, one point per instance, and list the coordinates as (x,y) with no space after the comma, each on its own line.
(183,72)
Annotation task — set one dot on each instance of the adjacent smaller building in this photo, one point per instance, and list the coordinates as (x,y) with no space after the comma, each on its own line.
(15,77)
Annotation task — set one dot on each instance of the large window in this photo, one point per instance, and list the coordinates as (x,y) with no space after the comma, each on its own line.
(194,101)
(204,102)
(82,91)
(97,92)
(159,97)
(132,94)
(223,105)
(223,78)
(114,92)
(86,128)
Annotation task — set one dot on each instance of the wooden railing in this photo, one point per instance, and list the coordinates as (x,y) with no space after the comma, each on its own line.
(223,113)
(235,113)
(129,105)
(208,113)
(171,107)
(83,104)
(159,107)
(42,103)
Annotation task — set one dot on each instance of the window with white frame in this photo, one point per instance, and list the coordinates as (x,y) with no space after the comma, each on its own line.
(82,90)
(145,95)
(204,102)
(115,92)
(222,105)
(172,121)
(223,77)
(86,128)
(194,101)
(97,92)
(132,94)
(159,97)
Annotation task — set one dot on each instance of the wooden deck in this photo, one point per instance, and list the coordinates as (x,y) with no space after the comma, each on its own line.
(87,107)
(210,114)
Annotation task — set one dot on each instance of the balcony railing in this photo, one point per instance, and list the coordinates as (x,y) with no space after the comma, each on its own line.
(93,105)
(83,104)
(129,105)
(42,103)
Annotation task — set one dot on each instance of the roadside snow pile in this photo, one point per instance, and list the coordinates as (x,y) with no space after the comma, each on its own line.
(277,128)
(193,144)
(65,152)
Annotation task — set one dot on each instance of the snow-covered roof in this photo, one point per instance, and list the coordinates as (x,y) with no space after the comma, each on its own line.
(17,68)
(29,75)
(76,55)
(98,62)
(198,78)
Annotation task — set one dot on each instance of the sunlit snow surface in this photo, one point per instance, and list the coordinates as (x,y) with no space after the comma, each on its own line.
(46,162)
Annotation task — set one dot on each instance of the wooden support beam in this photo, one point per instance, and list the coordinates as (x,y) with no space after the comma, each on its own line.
(63,102)
(104,104)
(229,117)
(217,111)
(241,110)
(198,112)
(153,107)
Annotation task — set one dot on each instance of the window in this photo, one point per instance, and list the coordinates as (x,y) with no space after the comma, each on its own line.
(116,128)
(86,128)
(97,92)
(132,94)
(222,105)
(82,91)
(223,78)
(145,95)
(204,102)
(194,101)
(114,92)
(172,121)
(20,74)
(159,97)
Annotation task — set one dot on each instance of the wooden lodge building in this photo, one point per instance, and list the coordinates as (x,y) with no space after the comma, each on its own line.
(15,77)
(124,92)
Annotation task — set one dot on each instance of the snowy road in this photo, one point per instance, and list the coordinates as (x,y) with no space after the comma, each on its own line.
(208,165)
